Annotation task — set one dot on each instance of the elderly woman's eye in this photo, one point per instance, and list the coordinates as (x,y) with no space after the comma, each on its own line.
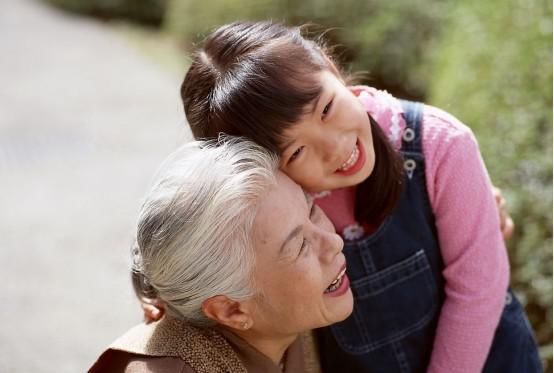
(303,246)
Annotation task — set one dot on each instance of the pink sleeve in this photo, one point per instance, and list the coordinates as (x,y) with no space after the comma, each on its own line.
(475,258)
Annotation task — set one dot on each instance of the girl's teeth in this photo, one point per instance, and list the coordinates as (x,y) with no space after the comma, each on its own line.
(351,161)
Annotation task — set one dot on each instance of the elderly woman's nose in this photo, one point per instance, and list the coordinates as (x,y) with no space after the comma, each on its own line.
(331,245)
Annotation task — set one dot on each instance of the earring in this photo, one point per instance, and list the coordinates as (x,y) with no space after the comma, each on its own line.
(244,325)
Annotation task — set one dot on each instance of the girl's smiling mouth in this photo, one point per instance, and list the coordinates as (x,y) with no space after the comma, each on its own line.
(351,160)
(354,163)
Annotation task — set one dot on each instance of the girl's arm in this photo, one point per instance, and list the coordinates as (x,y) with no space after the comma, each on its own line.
(476,264)
(467,220)
(153,309)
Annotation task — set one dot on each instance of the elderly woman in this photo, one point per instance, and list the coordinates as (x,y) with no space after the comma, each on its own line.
(243,261)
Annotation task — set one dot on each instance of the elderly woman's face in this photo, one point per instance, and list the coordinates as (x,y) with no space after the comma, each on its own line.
(300,268)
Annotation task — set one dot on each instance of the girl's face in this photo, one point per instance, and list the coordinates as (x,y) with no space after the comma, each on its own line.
(331,146)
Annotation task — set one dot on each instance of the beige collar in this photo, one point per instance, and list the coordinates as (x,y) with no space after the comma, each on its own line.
(205,350)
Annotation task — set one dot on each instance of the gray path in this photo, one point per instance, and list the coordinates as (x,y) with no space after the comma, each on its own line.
(84,121)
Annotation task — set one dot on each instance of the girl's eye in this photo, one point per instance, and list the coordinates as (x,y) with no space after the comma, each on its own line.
(296,154)
(326,109)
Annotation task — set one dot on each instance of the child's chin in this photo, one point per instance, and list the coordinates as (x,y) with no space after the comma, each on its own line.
(358,177)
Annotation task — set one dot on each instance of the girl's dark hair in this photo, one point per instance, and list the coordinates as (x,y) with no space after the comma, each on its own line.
(256,79)
(377,195)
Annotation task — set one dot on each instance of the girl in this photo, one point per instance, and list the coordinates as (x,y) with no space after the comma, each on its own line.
(403,183)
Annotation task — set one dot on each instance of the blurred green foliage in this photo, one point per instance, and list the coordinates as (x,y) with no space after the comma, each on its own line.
(488,63)
(375,36)
(143,11)
(493,69)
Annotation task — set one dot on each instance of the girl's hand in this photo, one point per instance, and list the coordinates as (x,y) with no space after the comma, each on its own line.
(153,309)
(506,222)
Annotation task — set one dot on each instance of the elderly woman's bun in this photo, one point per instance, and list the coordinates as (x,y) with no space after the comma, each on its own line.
(141,285)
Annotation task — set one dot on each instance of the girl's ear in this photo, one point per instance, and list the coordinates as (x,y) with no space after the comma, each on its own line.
(227,312)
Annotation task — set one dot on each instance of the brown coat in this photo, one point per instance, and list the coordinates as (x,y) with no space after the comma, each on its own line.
(171,345)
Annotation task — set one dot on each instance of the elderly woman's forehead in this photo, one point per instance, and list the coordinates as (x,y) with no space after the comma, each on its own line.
(282,175)
(285,179)
(307,195)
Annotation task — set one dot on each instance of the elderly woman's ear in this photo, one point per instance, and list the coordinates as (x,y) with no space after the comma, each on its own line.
(227,312)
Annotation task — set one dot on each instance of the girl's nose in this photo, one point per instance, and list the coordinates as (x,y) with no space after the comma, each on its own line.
(330,147)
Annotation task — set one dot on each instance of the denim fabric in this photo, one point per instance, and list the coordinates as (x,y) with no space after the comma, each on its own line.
(395,276)
(514,349)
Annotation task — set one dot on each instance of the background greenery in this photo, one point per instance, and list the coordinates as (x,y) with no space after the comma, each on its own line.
(143,11)
(489,63)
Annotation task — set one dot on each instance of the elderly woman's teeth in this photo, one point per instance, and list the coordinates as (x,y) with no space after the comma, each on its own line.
(351,160)
(336,283)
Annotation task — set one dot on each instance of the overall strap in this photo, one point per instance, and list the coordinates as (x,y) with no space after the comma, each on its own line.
(411,137)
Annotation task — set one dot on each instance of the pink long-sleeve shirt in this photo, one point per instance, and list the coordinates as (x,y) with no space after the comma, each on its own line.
(476,268)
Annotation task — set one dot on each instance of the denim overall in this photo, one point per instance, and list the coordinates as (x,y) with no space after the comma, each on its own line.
(395,276)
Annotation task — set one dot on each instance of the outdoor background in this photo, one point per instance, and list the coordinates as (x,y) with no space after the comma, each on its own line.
(89,106)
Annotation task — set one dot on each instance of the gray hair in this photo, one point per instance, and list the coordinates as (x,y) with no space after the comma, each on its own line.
(195,226)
